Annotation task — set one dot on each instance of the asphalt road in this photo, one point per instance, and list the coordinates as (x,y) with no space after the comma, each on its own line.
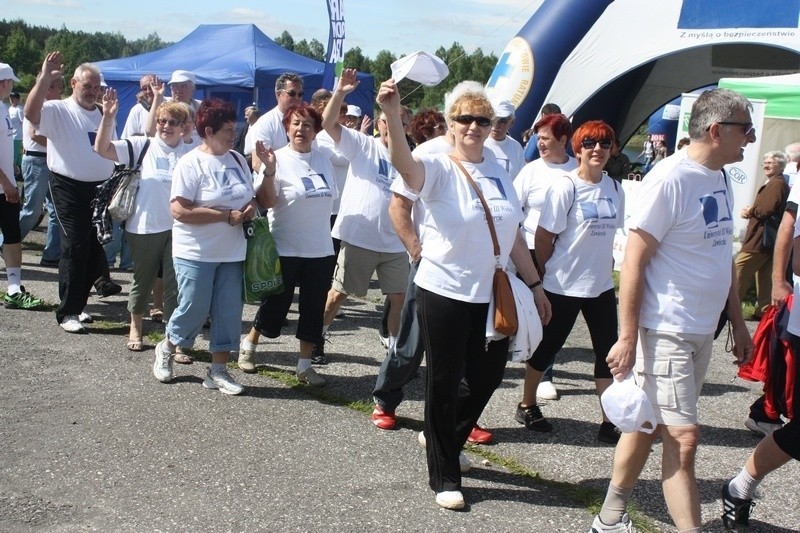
(90,441)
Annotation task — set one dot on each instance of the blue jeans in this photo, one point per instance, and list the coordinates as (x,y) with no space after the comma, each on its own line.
(208,290)
(118,246)
(36,177)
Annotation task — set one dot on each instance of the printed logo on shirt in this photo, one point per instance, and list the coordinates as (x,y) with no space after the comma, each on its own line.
(316,186)
(383,178)
(228,179)
(505,163)
(716,212)
(598,209)
(92,137)
(492,189)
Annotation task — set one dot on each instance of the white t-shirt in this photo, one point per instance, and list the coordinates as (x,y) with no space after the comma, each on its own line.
(152,212)
(27,141)
(509,154)
(268,129)
(136,122)
(71,130)
(16,116)
(300,222)
(437,145)
(585,217)
(457,254)
(417,209)
(6,145)
(531,185)
(687,208)
(221,182)
(363,218)
(339,163)
(794,318)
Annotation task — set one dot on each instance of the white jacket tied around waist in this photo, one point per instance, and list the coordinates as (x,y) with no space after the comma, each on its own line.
(529,328)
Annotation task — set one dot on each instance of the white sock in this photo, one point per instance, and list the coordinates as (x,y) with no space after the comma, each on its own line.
(217,368)
(303,365)
(247,345)
(14,276)
(743,486)
(325,330)
(392,342)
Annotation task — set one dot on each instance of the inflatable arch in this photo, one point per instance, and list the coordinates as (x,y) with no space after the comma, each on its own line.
(620,60)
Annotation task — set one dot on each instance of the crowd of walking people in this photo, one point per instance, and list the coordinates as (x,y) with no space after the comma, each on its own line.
(433,205)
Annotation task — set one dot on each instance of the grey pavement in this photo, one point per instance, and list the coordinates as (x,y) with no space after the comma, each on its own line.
(90,441)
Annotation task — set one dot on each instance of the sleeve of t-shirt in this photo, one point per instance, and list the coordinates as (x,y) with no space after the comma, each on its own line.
(557,202)
(620,207)
(435,168)
(794,199)
(521,184)
(184,181)
(48,120)
(400,187)
(351,144)
(121,147)
(656,208)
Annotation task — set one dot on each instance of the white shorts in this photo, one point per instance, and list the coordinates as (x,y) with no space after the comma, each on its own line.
(670,368)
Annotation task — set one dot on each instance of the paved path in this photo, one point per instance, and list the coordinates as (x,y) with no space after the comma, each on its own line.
(90,441)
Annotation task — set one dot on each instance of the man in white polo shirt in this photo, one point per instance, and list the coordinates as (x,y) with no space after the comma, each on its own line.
(269,127)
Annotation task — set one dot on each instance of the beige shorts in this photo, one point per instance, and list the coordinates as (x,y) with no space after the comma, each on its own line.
(670,368)
(355,266)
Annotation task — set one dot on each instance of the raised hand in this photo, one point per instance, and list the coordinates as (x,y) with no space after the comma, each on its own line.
(110,102)
(348,81)
(388,96)
(53,66)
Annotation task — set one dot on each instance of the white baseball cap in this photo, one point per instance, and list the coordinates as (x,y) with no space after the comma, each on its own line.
(180,76)
(7,73)
(503,109)
(353,111)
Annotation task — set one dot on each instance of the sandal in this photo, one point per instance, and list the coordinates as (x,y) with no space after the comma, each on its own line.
(156,315)
(135,345)
(182,358)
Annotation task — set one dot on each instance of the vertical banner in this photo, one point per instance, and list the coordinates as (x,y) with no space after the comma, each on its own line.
(335,57)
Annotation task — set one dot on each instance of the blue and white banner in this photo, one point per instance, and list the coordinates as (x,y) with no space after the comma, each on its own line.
(335,57)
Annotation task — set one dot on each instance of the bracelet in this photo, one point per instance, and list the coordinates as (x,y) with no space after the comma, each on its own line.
(270,175)
(229,217)
(534,284)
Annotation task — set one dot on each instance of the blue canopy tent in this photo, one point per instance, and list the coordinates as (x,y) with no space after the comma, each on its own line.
(236,62)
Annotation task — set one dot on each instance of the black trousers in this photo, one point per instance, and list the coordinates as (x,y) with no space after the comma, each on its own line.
(462,374)
(82,258)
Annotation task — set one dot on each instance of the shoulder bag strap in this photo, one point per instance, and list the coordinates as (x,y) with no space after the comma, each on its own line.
(489,219)
(130,154)
(141,155)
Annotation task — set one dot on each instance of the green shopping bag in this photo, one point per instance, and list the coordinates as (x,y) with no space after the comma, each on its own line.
(262,265)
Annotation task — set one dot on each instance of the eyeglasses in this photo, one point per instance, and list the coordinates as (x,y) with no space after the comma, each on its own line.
(747,127)
(589,143)
(503,121)
(171,121)
(293,94)
(466,120)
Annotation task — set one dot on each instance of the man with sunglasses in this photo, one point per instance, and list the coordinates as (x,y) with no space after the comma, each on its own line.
(669,310)
(509,151)
(269,127)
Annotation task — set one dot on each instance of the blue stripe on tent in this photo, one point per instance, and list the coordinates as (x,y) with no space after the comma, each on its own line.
(720,14)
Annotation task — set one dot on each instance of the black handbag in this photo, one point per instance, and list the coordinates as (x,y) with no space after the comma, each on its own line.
(770,235)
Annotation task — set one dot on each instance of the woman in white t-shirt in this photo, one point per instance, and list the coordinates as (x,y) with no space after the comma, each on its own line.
(212,199)
(299,189)
(148,231)
(574,243)
(454,278)
(553,133)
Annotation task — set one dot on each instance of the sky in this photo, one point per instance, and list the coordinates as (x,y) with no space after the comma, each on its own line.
(400,26)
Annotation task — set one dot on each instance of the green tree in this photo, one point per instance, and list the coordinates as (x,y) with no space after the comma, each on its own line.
(286,40)
(313,49)
(355,58)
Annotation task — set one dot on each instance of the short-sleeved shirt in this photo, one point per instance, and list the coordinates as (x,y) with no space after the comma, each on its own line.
(688,209)
(531,185)
(152,213)
(457,253)
(220,182)
(363,218)
(71,131)
(584,216)
(300,220)
(268,129)
(509,154)
(6,144)
(136,122)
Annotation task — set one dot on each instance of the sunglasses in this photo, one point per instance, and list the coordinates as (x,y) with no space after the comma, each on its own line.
(589,143)
(294,94)
(466,120)
(171,121)
(747,127)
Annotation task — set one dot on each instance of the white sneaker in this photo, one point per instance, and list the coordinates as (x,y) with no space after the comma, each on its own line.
(162,367)
(71,324)
(246,360)
(311,377)
(222,381)
(623,526)
(450,499)
(546,391)
(85,318)
(463,461)
(384,341)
